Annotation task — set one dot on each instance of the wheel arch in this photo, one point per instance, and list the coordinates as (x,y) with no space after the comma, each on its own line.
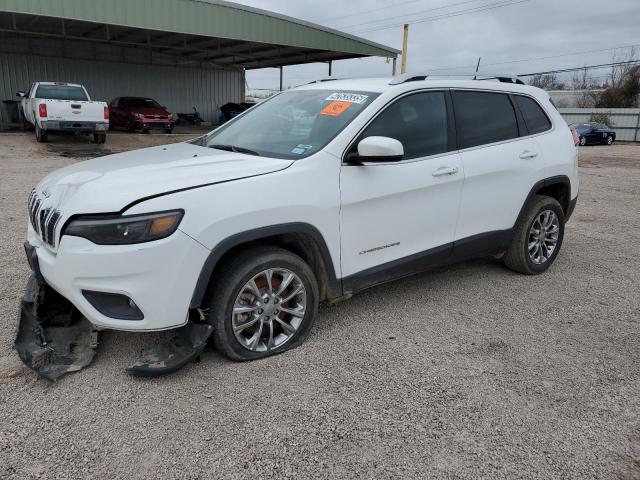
(558,187)
(302,239)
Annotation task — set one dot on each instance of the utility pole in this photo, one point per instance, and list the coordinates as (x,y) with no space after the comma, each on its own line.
(405,36)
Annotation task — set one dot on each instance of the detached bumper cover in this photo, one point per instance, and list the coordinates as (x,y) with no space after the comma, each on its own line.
(184,347)
(53,338)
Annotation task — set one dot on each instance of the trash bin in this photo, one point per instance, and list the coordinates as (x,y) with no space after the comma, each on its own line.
(12,111)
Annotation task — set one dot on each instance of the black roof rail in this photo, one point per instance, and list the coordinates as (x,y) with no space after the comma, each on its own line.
(416,77)
(324,79)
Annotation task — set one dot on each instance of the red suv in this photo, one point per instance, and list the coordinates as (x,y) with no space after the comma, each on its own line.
(139,114)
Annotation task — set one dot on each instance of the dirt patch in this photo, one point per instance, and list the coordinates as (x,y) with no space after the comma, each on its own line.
(78,151)
(617,155)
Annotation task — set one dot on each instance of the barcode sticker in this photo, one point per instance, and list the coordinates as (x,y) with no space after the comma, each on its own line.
(347,97)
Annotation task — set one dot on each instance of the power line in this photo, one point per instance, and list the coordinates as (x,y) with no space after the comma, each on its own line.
(369,11)
(407,14)
(537,58)
(492,6)
(586,67)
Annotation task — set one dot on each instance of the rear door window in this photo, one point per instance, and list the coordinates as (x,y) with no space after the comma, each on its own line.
(534,117)
(483,117)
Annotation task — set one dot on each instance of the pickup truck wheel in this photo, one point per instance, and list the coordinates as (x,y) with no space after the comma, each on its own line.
(99,138)
(264,302)
(609,140)
(41,135)
(537,237)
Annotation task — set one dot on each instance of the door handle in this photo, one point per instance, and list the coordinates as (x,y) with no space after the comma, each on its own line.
(526,155)
(445,171)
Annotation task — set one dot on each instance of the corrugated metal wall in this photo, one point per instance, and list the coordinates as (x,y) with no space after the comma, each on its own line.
(178,88)
(624,121)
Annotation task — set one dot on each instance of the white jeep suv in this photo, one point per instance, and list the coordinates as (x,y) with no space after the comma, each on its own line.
(314,194)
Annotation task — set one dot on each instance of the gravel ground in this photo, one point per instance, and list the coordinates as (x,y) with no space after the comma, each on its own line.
(467,372)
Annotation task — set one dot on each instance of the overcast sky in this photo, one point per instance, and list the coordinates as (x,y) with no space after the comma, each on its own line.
(525,30)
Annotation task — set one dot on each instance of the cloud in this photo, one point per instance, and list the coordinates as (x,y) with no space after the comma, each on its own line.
(533,29)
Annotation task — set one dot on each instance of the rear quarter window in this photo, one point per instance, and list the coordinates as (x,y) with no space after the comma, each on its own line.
(533,114)
(483,117)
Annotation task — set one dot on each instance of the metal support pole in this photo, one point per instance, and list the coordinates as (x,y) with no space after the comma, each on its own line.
(405,36)
(280,77)
(393,69)
(635,137)
(330,65)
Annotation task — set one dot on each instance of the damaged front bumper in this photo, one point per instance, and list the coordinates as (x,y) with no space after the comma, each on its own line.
(54,338)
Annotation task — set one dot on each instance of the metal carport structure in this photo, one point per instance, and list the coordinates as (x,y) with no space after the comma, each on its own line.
(189,52)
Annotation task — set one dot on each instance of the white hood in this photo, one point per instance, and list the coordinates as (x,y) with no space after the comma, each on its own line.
(108,184)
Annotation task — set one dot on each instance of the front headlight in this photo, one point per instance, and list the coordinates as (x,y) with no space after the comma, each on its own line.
(123,230)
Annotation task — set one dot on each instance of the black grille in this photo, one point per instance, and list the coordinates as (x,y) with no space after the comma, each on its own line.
(43,220)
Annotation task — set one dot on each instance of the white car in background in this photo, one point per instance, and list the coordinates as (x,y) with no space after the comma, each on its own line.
(241,233)
(55,107)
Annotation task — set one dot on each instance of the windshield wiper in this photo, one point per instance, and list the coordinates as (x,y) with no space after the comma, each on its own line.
(233,148)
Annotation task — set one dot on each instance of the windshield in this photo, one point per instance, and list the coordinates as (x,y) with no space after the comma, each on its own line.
(141,103)
(61,92)
(291,125)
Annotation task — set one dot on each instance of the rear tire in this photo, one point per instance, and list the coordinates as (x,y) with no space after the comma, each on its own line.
(276,320)
(41,135)
(537,237)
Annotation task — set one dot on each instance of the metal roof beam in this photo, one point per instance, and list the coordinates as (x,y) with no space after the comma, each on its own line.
(296,59)
(210,18)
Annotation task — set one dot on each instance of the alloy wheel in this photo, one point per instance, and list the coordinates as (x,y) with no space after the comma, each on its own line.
(269,310)
(543,237)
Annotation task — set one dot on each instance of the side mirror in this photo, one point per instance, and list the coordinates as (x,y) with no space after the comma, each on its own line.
(20,94)
(379,149)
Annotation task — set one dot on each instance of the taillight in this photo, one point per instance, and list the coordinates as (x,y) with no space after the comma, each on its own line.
(106,113)
(42,110)
(576,138)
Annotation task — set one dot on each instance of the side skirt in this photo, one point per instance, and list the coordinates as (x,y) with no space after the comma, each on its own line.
(481,245)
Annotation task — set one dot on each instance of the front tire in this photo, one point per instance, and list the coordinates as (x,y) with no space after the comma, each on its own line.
(583,141)
(264,302)
(537,237)
(609,140)
(41,135)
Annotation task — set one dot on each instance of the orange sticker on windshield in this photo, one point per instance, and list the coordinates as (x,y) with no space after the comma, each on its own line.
(335,108)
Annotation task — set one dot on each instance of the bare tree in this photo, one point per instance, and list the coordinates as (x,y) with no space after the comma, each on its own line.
(548,81)
(582,80)
(583,83)
(619,72)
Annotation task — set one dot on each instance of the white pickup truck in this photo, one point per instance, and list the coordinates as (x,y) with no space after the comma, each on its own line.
(52,107)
